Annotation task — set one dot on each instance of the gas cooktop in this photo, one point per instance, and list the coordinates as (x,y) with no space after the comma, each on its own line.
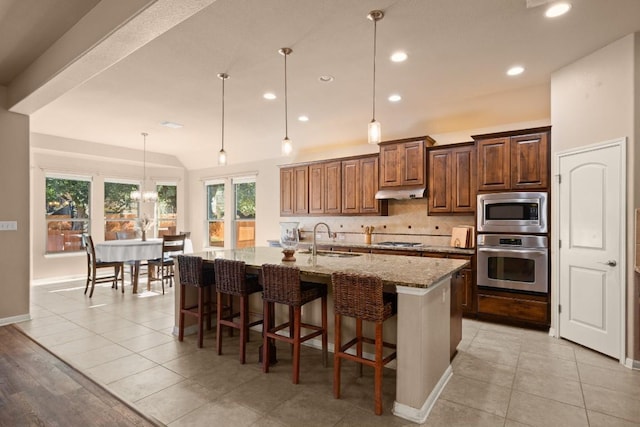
(400,244)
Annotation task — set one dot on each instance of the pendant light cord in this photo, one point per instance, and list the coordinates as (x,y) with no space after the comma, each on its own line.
(223,79)
(375,27)
(286,111)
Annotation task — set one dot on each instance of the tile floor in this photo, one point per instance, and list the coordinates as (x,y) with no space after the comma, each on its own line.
(503,376)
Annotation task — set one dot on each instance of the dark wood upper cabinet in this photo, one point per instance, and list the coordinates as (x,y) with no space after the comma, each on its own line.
(402,162)
(359,187)
(517,160)
(335,187)
(294,190)
(316,188)
(452,179)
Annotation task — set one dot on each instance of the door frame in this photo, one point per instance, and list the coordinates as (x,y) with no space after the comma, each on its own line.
(555,233)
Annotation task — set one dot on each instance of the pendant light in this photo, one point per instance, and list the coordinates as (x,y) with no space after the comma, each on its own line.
(222,155)
(374,133)
(141,195)
(287,146)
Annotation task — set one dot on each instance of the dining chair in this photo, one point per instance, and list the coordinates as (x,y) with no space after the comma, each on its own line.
(361,297)
(94,264)
(161,269)
(282,285)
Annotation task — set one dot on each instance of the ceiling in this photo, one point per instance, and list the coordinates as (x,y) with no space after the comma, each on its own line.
(454,78)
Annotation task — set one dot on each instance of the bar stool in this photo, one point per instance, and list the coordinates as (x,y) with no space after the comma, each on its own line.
(361,297)
(282,285)
(232,280)
(191,272)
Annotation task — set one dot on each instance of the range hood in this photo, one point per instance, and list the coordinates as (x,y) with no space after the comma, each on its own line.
(402,193)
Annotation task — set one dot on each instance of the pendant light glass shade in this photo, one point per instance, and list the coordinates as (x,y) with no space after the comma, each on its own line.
(141,195)
(222,155)
(287,145)
(374,132)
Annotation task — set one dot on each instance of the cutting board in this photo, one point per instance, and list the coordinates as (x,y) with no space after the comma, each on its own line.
(460,237)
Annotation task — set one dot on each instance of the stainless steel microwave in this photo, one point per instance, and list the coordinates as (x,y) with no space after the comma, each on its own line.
(521,212)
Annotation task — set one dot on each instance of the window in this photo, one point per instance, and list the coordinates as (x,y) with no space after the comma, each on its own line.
(215,212)
(245,219)
(120,212)
(167,209)
(240,193)
(67,201)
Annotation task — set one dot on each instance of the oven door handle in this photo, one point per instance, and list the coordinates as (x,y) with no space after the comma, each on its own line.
(517,251)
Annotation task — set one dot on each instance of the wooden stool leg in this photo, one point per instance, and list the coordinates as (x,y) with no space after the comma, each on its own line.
(218,324)
(378,370)
(243,327)
(267,307)
(336,357)
(325,352)
(297,312)
(210,304)
(181,317)
(230,299)
(359,344)
(200,315)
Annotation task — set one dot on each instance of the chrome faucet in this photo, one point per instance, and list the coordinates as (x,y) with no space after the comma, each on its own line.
(314,248)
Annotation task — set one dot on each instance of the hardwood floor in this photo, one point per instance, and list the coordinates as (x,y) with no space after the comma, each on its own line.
(37,388)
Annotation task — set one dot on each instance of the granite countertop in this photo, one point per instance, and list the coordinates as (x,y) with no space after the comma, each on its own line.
(395,270)
(422,248)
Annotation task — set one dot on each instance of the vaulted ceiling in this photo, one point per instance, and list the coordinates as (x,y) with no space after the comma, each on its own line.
(104,71)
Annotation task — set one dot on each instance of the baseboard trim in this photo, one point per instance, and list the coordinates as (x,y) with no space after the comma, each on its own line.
(15,319)
(632,364)
(420,415)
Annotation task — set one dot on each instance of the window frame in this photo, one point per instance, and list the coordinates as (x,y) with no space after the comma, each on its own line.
(133,220)
(86,228)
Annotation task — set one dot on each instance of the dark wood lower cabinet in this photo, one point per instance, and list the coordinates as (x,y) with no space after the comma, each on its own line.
(457,291)
(515,308)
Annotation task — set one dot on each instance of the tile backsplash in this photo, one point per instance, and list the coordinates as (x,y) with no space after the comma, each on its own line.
(407,221)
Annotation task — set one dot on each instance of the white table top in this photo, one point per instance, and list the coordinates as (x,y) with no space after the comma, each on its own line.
(133,249)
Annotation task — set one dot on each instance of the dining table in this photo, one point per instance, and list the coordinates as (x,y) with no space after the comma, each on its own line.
(135,251)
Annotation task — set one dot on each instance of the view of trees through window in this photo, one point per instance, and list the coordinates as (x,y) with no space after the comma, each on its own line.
(120,211)
(67,202)
(215,213)
(167,209)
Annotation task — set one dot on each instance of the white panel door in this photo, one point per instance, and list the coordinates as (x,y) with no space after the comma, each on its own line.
(592,221)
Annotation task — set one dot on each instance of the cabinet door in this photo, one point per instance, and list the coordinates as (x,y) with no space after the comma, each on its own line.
(286,191)
(350,186)
(529,161)
(369,185)
(440,181)
(463,179)
(467,297)
(390,158)
(493,164)
(316,188)
(301,190)
(333,187)
(412,162)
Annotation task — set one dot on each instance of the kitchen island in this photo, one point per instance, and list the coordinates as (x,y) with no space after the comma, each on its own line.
(423,328)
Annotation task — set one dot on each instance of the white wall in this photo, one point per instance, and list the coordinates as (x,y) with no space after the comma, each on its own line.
(595,99)
(51,154)
(14,174)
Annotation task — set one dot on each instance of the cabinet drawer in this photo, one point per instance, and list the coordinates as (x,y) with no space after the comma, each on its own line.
(514,308)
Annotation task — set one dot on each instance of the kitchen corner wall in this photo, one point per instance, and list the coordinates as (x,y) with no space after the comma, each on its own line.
(407,221)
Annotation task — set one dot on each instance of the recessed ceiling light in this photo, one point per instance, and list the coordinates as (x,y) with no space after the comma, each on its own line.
(515,70)
(557,9)
(326,79)
(399,56)
(270,96)
(303,118)
(171,125)
(395,97)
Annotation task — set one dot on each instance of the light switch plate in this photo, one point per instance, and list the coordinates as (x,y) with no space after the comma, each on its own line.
(8,225)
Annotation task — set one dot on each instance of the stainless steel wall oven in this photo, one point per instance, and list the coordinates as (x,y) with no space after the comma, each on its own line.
(514,262)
